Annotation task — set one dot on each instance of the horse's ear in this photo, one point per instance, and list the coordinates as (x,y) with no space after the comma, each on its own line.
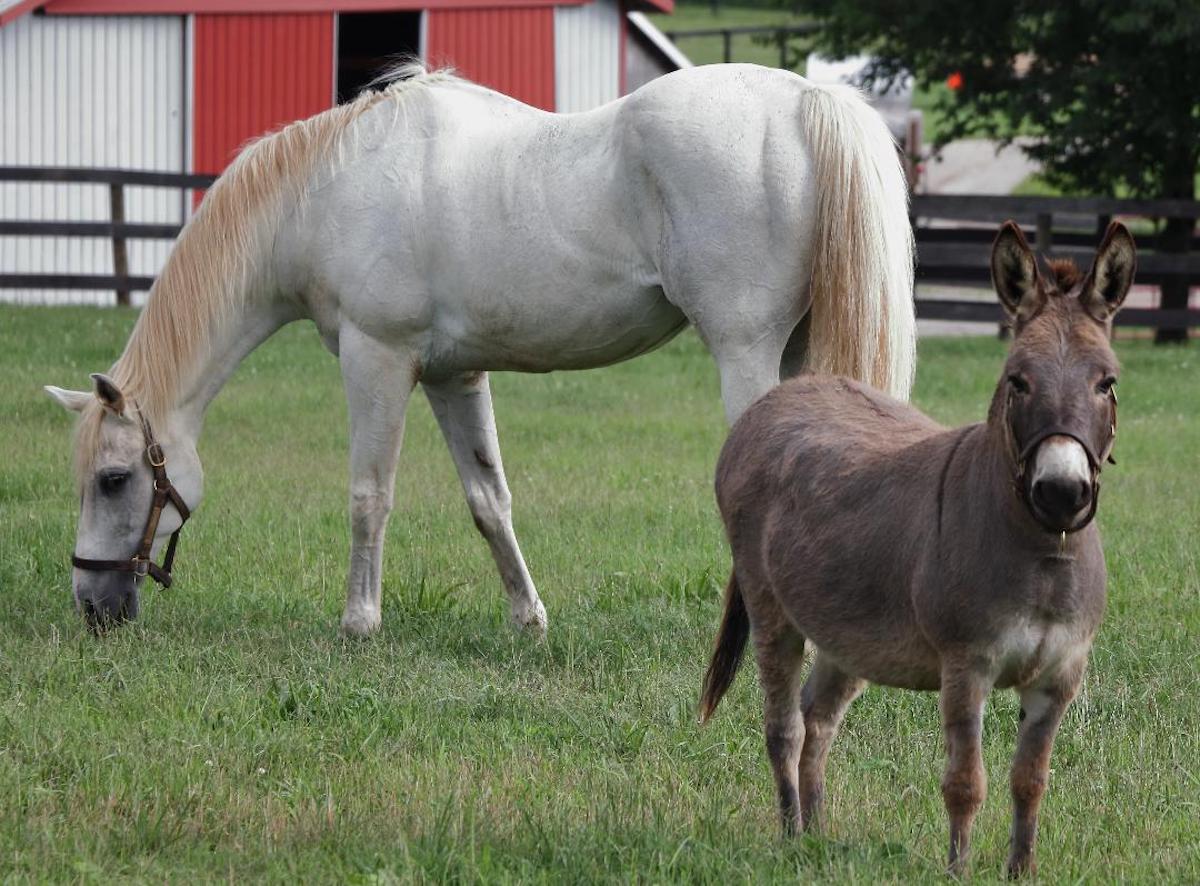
(1111,275)
(1015,273)
(72,401)
(108,393)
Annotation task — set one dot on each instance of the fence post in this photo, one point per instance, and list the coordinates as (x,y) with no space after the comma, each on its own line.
(1044,238)
(727,45)
(116,199)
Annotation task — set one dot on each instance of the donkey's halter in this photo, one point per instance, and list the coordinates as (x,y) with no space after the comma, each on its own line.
(1022,455)
(140,563)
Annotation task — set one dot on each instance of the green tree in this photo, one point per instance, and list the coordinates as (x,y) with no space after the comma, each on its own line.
(1111,88)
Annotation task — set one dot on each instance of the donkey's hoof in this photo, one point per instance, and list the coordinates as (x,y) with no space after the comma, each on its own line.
(530,619)
(360,624)
(1021,867)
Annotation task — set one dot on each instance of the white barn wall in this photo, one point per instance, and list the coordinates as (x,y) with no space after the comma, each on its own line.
(587,55)
(93,91)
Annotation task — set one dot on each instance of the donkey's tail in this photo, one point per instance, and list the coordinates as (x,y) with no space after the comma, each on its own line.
(731,643)
(861,323)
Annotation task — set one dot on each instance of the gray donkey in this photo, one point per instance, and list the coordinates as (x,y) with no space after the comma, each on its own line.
(915,556)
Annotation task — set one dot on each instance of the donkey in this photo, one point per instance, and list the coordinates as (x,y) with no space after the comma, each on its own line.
(915,556)
(435,230)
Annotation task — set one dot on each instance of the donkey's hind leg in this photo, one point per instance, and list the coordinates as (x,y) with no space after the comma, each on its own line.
(378,381)
(827,694)
(463,407)
(779,650)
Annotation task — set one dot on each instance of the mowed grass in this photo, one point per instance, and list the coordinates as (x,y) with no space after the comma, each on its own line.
(231,734)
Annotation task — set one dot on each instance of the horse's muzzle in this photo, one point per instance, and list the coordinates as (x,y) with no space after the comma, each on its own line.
(107,600)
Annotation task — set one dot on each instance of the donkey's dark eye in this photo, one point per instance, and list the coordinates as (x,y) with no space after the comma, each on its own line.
(113,481)
(1018,383)
(1105,387)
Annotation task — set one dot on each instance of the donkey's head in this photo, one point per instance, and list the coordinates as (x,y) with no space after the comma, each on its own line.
(136,487)
(1056,400)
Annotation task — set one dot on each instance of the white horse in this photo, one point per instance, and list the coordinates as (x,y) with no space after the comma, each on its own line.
(435,230)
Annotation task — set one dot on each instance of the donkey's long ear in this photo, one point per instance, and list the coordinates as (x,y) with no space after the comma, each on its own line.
(108,393)
(1015,274)
(72,401)
(1111,275)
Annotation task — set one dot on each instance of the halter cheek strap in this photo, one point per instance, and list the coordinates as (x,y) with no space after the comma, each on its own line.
(165,493)
(1022,455)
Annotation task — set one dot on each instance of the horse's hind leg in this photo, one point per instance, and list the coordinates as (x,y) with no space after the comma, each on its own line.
(827,693)
(779,650)
(463,407)
(378,382)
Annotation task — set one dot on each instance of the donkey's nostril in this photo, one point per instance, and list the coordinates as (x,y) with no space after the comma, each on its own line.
(1061,497)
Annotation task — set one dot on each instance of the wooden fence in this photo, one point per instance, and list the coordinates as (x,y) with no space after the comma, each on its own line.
(954,235)
(779,35)
(116,228)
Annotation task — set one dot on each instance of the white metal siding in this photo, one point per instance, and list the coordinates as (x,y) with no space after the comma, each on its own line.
(587,55)
(93,91)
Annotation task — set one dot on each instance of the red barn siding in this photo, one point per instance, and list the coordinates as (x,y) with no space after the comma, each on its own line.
(254,73)
(511,50)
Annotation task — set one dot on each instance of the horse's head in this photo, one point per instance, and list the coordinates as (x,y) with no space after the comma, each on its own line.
(1056,399)
(136,486)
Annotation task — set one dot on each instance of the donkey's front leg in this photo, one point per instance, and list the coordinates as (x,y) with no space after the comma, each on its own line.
(463,407)
(378,382)
(964,784)
(1041,712)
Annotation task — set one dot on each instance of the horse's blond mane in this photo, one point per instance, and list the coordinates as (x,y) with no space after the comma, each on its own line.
(209,273)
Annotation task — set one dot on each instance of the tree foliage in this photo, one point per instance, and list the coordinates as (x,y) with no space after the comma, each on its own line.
(1110,88)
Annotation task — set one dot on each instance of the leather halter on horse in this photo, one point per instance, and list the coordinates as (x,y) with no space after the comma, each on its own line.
(1022,455)
(140,563)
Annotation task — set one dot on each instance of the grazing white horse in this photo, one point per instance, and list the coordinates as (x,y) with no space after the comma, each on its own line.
(435,230)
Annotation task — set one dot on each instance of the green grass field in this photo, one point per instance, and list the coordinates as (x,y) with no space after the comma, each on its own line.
(232,735)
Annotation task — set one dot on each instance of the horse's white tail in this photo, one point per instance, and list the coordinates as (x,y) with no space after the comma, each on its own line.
(861,323)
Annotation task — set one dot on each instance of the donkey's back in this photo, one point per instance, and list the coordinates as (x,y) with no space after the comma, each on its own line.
(828,489)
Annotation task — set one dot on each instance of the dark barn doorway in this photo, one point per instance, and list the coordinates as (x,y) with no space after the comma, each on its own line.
(369,43)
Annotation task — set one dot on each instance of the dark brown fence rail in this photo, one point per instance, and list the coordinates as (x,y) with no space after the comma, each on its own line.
(954,234)
(116,229)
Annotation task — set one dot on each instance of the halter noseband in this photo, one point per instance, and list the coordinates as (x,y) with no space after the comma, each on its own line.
(1022,455)
(140,563)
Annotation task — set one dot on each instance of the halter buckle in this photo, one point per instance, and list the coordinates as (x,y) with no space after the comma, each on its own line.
(151,451)
(141,566)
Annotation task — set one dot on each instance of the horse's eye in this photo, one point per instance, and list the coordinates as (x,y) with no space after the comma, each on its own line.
(1105,387)
(1018,383)
(112,481)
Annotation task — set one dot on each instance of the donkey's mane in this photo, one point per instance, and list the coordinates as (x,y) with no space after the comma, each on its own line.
(209,273)
(1066,273)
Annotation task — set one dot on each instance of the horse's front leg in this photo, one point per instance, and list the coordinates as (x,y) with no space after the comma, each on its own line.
(378,381)
(964,784)
(1041,712)
(463,407)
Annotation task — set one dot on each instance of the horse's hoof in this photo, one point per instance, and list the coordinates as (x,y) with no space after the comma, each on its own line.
(531,619)
(360,624)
